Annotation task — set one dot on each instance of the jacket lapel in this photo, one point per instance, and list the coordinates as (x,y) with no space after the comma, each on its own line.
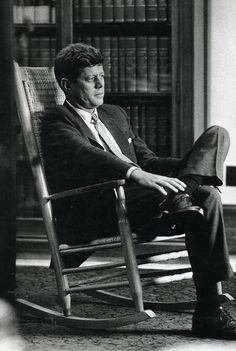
(116,132)
(82,126)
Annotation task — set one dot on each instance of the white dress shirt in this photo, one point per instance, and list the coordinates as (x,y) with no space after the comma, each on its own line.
(86,116)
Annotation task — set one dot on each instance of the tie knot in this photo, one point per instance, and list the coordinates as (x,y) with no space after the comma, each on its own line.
(94,118)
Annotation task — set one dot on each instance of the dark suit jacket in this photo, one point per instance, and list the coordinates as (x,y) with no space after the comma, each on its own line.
(73,158)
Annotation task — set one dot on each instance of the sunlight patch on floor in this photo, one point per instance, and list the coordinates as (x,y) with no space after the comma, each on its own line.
(45,263)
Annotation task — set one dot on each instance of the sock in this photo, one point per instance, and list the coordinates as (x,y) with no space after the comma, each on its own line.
(192,182)
(207,296)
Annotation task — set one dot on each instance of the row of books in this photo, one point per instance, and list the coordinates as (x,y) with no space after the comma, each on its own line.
(34,11)
(151,122)
(134,64)
(35,51)
(107,11)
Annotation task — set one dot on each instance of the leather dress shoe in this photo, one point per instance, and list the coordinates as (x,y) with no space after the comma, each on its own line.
(180,209)
(218,324)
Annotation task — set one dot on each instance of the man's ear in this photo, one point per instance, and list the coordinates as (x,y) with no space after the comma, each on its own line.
(65,85)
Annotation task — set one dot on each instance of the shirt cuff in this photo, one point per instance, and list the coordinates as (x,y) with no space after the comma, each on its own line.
(130,170)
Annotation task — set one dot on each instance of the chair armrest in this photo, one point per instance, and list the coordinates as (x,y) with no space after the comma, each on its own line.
(78,191)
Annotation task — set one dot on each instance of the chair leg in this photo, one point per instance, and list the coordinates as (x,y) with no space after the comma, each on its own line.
(128,250)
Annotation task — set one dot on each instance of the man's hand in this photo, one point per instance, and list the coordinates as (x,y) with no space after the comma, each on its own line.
(157,182)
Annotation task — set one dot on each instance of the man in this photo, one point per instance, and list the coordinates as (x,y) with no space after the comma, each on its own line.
(86,142)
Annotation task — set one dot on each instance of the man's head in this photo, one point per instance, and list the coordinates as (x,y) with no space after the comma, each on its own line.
(79,72)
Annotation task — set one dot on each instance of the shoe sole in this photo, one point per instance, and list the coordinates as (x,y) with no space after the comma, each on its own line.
(186,215)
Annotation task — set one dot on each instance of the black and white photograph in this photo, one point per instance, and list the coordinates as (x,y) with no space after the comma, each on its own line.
(118,175)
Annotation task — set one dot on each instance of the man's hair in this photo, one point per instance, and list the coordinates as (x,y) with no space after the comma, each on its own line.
(73,58)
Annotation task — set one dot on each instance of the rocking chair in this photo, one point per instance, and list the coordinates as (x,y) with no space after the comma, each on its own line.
(35,90)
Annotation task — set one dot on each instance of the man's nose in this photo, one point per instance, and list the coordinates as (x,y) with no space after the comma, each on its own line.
(99,82)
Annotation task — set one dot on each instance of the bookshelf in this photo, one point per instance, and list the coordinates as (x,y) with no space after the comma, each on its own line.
(7,151)
(148,60)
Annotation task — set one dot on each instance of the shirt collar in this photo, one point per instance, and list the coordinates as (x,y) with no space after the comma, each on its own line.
(85,115)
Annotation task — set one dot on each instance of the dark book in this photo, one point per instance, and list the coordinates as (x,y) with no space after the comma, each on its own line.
(85,39)
(23,49)
(45,51)
(151,10)
(130,64)
(107,11)
(140,9)
(142,122)
(34,51)
(96,42)
(52,50)
(141,63)
(114,65)
(151,127)
(96,11)
(164,63)
(119,11)
(162,11)
(164,135)
(121,63)
(106,52)
(152,64)
(84,11)
(76,10)
(168,11)
(53,11)
(134,118)
(15,11)
(129,11)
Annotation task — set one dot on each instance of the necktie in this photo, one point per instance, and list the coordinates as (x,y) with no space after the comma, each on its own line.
(109,142)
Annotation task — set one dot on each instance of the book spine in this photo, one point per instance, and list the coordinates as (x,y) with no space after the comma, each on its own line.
(119,11)
(134,117)
(45,51)
(107,11)
(19,11)
(130,64)
(141,54)
(164,63)
(106,52)
(162,11)
(169,11)
(76,10)
(86,39)
(114,65)
(151,127)
(121,63)
(142,122)
(151,10)
(96,42)
(23,45)
(129,11)
(96,11)
(52,50)
(152,64)
(85,11)
(163,131)
(140,7)
(34,52)
(53,11)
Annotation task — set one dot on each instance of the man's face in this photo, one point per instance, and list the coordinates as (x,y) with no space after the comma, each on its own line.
(88,90)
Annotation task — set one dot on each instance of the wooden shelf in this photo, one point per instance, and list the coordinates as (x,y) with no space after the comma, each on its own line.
(44,29)
(123,28)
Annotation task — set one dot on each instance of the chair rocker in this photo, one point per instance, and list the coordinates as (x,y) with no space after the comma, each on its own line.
(35,90)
